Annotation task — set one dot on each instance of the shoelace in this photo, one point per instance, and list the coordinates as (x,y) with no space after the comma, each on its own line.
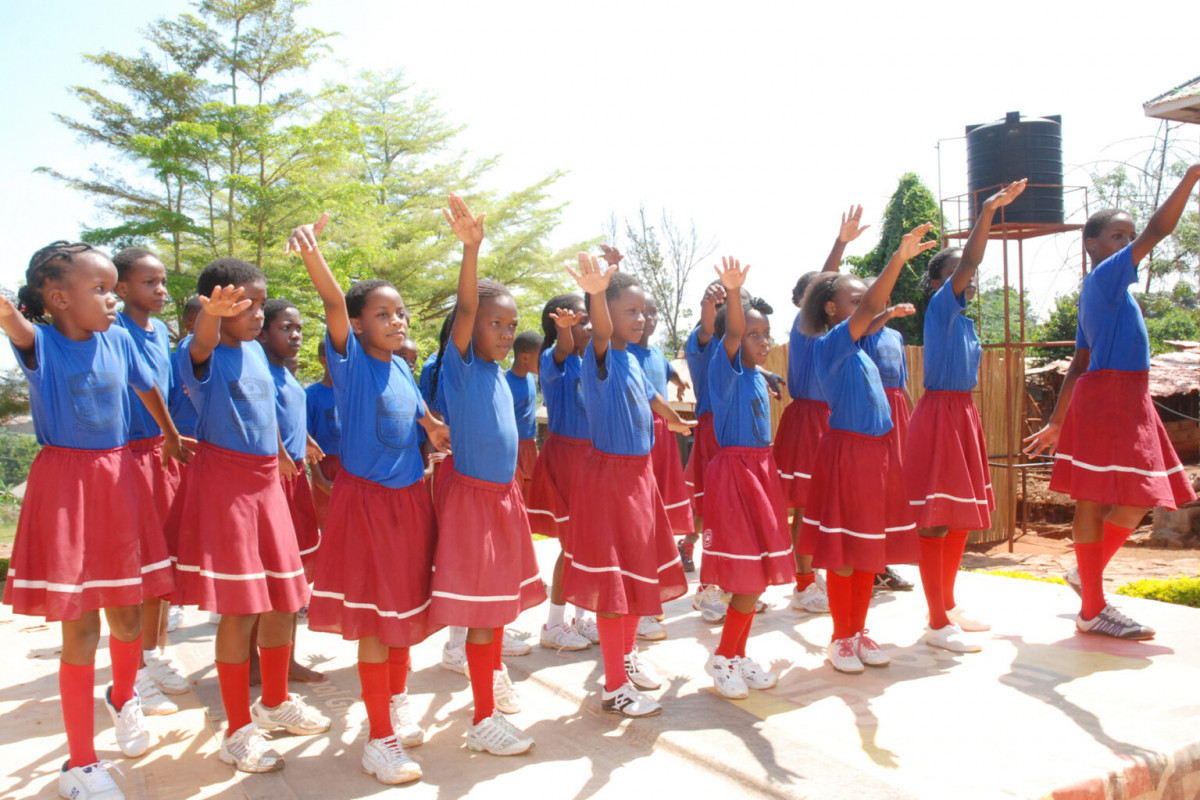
(96,775)
(392,747)
(846,648)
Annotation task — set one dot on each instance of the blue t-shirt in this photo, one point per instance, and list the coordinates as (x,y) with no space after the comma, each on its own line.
(154,346)
(378,404)
(562,391)
(802,376)
(479,405)
(78,393)
(697,361)
(235,399)
(886,349)
(525,404)
(324,424)
(425,383)
(1110,321)
(619,417)
(291,411)
(952,350)
(183,411)
(741,408)
(850,381)
(654,364)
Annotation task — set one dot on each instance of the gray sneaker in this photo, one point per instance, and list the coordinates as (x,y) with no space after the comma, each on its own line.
(1111,622)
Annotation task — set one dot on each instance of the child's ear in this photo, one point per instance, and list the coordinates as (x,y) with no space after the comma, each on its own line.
(830,308)
(121,289)
(356,326)
(54,296)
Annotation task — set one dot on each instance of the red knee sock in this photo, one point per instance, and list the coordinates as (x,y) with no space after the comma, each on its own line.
(862,585)
(124,656)
(273,664)
(398,660)
(805,580)
(498,647)
(77,688)
(377,698)
(932,548)
(741,648)
(234,680)
(840,589)
(1114,537)
(629,626)
(733,632)
(479,664)
(952,554)
(1090,558)
(612,651)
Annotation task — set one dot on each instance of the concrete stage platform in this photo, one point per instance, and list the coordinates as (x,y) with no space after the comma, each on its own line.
(1041,712)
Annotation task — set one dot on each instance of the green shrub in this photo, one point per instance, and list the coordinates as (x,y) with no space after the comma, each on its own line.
(16,455)
(1025,576)
(1180,590)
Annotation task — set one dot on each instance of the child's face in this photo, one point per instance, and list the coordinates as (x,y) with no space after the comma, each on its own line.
(628,312)
(495,327)
(527,362)
(145,285)
(282,336)
(846,300)
(581,331)
(948,266)
(246,326)
(1115,237)
(651,318)
(189,321)
(409,353)
(383,322)
(85,294)
(756,341)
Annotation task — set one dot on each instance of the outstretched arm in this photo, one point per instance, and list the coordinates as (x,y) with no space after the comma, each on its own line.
(976,243)
(593,279)
(714,296)
(304,241)
(733,277)
(847,233)
(469,231)
(564,343)
(173,446)
(1167,216)
(876,296)
(675,423)
(19,330)
(226,301)
(890,313)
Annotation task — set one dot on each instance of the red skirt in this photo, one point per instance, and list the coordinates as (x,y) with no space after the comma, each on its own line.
(234,545)
(527,456)
(900,416)
(858,514)
(330,466)
(375,565)
(704,447)
(1113,448)
(299,495)
(620,555)
(550,491)
(747,546)
(79,539)
(161,486)
(485,570)
(801,427)
(668,474)
(945,464)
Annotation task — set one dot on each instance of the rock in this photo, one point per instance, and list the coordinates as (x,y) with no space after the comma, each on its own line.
(1175,530)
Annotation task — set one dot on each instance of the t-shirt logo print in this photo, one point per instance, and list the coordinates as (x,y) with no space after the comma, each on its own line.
(394,425)
(758,407)
(253,403)
(332,423)
(639,410)
(96,400)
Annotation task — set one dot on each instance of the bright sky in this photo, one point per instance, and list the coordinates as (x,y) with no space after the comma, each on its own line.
(761,121)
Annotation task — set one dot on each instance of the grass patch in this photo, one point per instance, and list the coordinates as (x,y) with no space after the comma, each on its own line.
(8,532)
(1180,590)
(1025,576)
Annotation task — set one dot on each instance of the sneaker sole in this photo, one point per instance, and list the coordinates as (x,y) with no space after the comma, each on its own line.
(396,782)
(1140,638)
(657,636)
(612,709)
(951,648)
(294,730)
(568,648)
(846,670)
(231,761)
(480,748)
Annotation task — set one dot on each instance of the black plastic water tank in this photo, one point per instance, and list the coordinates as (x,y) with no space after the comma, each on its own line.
(1014,148)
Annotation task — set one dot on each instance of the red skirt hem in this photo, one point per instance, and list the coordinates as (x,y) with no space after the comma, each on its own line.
(668,474)
(299,495)
(704,447)
(801,427)
(549,503)
(945,464)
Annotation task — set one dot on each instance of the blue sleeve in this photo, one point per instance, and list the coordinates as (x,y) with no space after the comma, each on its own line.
(337,362)
(141,376)
(723,373)
(1112,276)
(34,376)
(193,383)
(837,346)
(549,371)
(310,404)
(944,309)
(1081,338)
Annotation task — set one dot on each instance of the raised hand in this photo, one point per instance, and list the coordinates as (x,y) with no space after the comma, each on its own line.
(592,278)
(226,301)
(1006,195)
(713,296)
(911,245)
(611,254)
(732,276)
(902,310)
(850,229)
(565,318)
(304,237)
(467,228)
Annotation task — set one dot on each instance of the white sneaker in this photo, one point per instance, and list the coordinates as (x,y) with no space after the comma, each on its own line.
(498,736)
(641,673)
(454,658)
(387,761)
(562,637)
(754,675)
(868,652)
(651,629)
(711,602)
(586,627)
(293,715)
(407,729)
(91,782)
(1072,579)
(505,694)
(727,677)
(154,702)
(248,751)
(950,638)
(176,616)
(959,618)
(164,673)
(843,654)
(630,702)
(813,599)
(132,735)
(514,646)
(1112,622)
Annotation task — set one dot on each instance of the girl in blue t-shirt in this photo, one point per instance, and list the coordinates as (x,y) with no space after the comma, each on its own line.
(858,519)
(746,542)
(1114,456)
(486,572)
(373,574)
(79,540)
(325,427)
(234,542)
(620,554)
(945,461)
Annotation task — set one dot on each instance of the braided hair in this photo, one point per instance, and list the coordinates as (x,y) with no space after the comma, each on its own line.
(753,304)
(813,319)
(935,268)
(51,263)
(486,288)
(549,329)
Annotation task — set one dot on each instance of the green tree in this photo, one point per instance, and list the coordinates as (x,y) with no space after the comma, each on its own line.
(1058,327)
(988,312)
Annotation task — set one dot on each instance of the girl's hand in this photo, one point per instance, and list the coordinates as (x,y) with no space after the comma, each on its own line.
(1045,440)
(911,245)
(8,310)
(683,426)
(592,278)
(225,301)
(775,384)
(680,389)
(313,452)
(439,436)
(850,229)
(287,469)
(467,228)
(732,276)
(565,318)
(1006,195)
(304,238)
(902,310)
(713,296)
(177,449)
(611,254)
